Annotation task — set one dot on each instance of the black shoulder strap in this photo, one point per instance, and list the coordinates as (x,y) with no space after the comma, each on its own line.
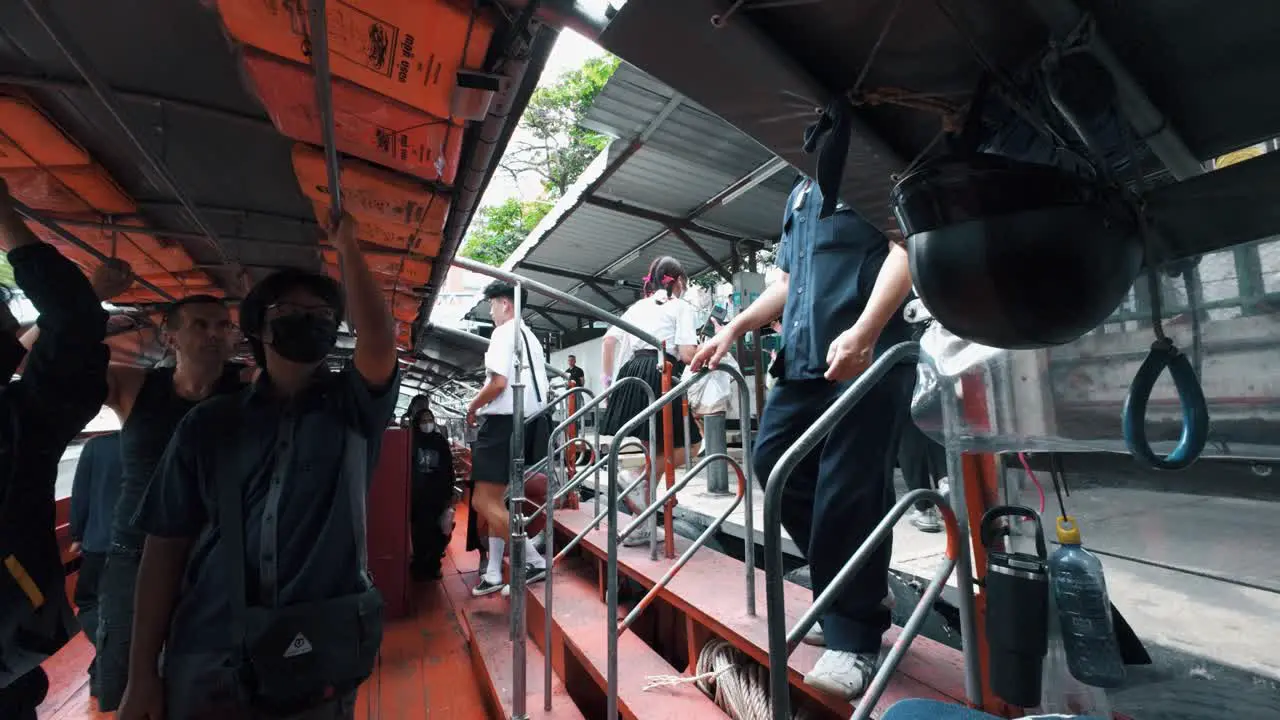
(355,470)
(533,374)
(231,520)
(231,524)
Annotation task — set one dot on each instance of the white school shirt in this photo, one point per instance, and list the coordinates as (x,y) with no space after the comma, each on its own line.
(498,359)
(668,319)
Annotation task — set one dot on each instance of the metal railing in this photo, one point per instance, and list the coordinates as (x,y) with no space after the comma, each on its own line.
(652,510)
(611,582)
(782,643)
(519,630)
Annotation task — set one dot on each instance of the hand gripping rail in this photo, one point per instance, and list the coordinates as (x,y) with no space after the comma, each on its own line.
(519,634)
(781,643)
(612,570)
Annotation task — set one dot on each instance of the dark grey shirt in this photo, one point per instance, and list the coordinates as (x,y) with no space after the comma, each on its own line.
(833,264)
(287,457)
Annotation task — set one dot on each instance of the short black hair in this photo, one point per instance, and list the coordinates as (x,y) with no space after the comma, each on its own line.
(573,357)
(504,289)
(173,312)
(253,309)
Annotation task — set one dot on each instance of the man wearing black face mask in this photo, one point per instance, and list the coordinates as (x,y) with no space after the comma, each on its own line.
(62,386)
(432,494)
(277,614)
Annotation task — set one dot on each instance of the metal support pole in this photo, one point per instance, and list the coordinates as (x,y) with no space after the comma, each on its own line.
(964,558)
(519,634)
(61,232)
(717,444)
(316,12)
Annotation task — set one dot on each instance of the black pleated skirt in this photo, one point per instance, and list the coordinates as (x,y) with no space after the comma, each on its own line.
(628,402)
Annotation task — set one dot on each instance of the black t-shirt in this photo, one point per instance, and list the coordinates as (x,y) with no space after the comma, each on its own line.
(577,376)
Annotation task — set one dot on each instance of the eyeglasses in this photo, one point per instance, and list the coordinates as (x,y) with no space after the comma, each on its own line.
(282,309)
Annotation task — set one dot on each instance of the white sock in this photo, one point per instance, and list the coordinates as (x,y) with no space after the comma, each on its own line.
(532,556)
(493,573)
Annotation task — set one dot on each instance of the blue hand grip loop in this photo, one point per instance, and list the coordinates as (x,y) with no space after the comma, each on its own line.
(1195,411)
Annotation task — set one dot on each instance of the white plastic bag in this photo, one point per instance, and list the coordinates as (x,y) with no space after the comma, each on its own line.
(714,393)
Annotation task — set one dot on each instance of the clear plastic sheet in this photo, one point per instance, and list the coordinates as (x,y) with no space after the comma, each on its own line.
(1069,398)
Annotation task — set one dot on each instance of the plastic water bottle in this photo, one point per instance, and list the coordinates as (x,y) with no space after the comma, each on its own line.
(1084,612)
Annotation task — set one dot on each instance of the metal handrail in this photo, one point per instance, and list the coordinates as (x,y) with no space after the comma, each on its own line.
(882,532)
(519,635)
(775,602)
(559,295)
(593,467)
(698,543)
(780,643)
(611,701)
(559,399)
(597,519)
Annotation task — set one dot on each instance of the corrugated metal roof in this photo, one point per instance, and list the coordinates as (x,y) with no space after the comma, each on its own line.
(670,157)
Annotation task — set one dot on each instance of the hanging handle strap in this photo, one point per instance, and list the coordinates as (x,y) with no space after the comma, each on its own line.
(1194,408)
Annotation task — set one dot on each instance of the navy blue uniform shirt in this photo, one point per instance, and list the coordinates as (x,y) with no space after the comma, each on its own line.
(299,537)
(833,264)
(93,496)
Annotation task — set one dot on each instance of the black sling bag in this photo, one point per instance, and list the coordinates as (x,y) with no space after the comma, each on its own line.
(299,656)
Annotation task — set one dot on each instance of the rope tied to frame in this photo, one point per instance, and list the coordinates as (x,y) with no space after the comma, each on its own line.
(738,685)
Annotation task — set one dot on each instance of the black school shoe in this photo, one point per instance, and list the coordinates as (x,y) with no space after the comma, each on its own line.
(531,575)
(487,588)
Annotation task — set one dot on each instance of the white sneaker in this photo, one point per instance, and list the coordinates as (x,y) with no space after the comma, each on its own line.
(928,520)
(843,674)
(815,636)
(641,537)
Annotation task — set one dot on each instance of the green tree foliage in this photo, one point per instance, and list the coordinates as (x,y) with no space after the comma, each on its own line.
(6,272)
(499,229)
(551,140)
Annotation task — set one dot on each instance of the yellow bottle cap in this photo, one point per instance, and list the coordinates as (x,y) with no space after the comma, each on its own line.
(1068,531)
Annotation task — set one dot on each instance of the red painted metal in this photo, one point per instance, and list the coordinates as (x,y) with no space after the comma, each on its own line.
(488,628)
(579,618)
(929,669)
(389,547)
(668,456)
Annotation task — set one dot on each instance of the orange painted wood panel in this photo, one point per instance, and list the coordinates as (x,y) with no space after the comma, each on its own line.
(711,589)
(488,626)
(580,623)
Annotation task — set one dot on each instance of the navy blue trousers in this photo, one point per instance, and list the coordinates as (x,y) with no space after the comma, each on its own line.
(840,492)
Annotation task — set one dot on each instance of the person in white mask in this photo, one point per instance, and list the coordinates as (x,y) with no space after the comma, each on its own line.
(431,496)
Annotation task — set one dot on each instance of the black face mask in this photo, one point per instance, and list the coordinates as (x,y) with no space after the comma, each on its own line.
(12,352)
(303,338)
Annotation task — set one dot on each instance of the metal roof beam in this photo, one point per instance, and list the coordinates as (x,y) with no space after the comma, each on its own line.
(602,292)
(659,217)
(62,232)
(706,256)
(69,85)
(572,275)
(730,193)
(550,319)
(105,95)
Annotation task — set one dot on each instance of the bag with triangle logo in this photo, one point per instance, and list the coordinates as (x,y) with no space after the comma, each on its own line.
(296,657)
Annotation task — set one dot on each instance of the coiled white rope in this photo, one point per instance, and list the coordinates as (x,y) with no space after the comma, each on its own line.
(737,684)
